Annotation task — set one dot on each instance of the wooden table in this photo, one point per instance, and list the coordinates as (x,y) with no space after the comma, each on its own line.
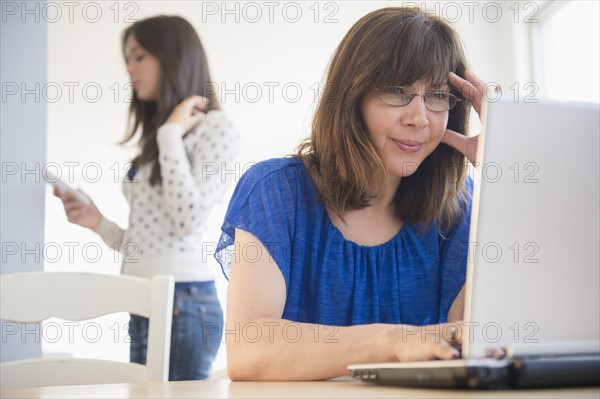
(343,388)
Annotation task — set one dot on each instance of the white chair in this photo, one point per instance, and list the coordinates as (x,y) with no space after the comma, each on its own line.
(33,297)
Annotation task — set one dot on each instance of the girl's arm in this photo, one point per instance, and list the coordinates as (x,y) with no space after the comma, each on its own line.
(191,186)
(263,346)
(88,215)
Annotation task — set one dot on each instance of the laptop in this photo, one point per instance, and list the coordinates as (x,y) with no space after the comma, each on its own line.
(533,273)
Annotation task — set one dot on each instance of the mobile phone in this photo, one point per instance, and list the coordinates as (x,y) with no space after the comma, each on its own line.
(63,187)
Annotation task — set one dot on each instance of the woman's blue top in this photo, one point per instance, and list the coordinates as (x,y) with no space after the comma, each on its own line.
(411,279)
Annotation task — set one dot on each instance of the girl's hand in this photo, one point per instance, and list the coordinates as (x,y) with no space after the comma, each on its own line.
(473,89)
(189,113)
(439,341)
(78,212)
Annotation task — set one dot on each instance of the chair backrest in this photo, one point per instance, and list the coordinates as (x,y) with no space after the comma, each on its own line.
(36,296)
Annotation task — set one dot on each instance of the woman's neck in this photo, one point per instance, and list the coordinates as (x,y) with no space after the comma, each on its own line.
(374,225)
(385,199)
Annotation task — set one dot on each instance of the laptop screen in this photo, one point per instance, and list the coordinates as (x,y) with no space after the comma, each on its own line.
(533,276)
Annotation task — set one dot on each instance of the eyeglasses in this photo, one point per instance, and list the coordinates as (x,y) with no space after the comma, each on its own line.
(398,96)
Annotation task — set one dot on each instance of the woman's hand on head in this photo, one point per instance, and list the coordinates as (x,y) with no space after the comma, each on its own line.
(473,89)
(439,341)
(79,212)
(189,113)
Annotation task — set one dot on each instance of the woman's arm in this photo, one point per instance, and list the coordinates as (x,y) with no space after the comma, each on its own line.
(88,215)
(192,186)
(263,346)
(456,312)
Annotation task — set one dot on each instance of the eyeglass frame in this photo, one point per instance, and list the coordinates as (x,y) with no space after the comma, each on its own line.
(423,98)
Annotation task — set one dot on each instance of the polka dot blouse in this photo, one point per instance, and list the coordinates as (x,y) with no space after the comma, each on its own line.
(166,222)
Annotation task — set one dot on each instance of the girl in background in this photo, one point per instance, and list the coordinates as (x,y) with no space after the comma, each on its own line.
(171,186)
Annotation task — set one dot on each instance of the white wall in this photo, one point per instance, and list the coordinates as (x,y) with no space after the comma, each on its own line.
(241,53)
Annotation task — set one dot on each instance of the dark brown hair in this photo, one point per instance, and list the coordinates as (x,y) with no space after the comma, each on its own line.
(183,73)
(390,46)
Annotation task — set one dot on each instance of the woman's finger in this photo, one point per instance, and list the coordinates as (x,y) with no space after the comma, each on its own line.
(445,351)
(461,143)
(198,106)
(453,333)
(472,87)
(189,113)
(74,205)
(197,118)
(68,196)
(73,197)
(475,80)
(196,102)
(488,90)
(73,215)
(469,88)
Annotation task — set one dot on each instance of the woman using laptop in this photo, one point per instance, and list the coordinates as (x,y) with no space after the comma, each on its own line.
(354,250)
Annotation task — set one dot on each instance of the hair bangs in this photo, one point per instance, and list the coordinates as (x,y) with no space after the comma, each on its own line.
(424,52)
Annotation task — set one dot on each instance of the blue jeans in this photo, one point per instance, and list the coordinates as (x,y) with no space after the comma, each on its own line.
(195,334)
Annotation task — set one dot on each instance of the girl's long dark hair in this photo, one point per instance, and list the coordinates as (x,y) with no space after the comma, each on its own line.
(183,72)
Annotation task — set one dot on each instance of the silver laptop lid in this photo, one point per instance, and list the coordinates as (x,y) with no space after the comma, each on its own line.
(533,274)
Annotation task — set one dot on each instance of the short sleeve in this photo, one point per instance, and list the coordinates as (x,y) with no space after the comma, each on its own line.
(263,204)
(454,251)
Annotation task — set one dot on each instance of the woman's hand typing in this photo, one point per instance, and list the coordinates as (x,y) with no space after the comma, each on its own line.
(439,341)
